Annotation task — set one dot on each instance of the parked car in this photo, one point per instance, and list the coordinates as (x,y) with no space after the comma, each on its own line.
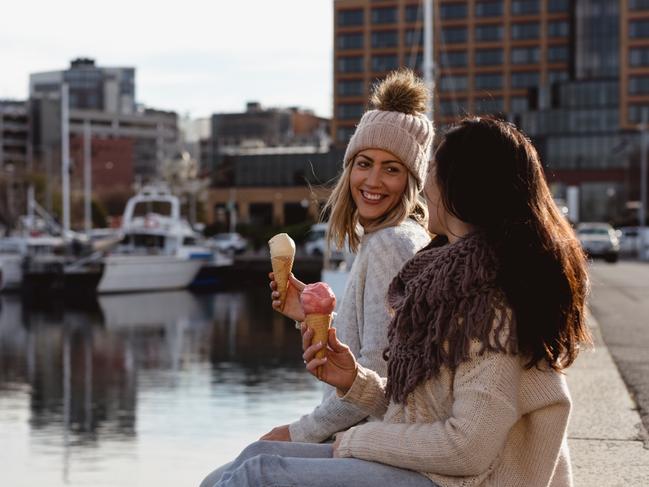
(231,242)
(599,240)
(316,243)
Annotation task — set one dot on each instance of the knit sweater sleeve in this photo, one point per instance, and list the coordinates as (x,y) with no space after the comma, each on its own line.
(362,324)
(464,444)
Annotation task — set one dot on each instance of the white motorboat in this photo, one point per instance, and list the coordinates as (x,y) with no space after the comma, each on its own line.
(159,250)
(14,250)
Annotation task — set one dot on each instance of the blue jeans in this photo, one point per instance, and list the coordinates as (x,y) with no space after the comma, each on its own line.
(288,464)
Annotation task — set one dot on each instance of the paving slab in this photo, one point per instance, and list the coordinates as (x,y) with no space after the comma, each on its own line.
(608,443)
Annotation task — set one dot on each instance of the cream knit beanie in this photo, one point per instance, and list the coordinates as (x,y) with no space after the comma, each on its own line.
(398,124)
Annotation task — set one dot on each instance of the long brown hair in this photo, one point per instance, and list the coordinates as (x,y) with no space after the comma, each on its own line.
(490,176)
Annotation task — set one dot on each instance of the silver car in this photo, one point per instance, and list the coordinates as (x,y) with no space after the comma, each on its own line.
(599,240)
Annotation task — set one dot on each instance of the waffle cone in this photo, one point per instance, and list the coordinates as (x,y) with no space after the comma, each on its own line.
(282,267)
(320,325)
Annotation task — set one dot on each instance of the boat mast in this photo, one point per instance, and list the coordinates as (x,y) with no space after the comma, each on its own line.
(428,66)
(65,159)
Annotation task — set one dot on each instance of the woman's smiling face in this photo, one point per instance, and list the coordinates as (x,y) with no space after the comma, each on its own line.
(377,182)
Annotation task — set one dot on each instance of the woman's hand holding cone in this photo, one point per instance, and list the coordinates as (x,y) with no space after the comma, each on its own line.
(292,306)
(338,367)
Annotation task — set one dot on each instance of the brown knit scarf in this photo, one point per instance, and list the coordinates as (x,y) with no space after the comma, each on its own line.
(444,298)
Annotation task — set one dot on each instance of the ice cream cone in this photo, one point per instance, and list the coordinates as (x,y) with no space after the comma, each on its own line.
(319,323)
(282,267)
(282,254)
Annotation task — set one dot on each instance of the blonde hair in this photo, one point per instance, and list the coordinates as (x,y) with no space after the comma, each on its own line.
(343,214)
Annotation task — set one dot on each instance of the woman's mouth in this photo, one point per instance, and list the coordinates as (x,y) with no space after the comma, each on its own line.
(371,197)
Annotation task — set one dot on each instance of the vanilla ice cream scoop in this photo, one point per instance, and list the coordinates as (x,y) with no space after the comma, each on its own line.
(282,245)
(282,254)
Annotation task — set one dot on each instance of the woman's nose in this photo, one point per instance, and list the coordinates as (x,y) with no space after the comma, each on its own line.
(374,177)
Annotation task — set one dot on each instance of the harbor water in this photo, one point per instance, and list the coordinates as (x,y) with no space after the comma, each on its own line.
(142,389)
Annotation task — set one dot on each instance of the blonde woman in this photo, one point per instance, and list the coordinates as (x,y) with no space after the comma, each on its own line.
(376,209)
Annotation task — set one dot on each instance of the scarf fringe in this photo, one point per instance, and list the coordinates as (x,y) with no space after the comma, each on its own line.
(445,299)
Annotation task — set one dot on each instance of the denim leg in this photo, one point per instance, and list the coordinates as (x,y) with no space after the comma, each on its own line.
(215,475)
(286,464)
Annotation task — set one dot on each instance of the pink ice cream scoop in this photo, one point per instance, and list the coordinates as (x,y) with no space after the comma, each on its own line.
(318,298)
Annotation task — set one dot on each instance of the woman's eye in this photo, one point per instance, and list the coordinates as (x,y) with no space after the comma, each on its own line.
(392,169)
(362,163)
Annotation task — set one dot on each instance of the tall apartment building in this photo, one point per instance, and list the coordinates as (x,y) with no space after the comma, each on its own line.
(104,100)
(110,90)
(574,74)
(489,54)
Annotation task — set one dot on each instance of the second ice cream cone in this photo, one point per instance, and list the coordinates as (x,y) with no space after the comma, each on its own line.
(282,267)
(320,324)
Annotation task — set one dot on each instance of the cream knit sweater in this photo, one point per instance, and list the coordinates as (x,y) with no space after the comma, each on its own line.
(493,423)
(362,322)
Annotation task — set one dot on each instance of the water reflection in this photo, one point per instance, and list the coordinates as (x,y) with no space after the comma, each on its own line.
(118,390)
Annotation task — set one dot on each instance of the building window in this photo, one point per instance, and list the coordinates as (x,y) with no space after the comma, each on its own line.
(639,28)
(489,9)
(489,57)
(639,113)
(558,28)
(525,79)
(385,62)
(639,85)
(488,81)
(384,15)
(350,64)
(453,59)
(492,32)
(414,13)
(525,55)
(556,76)
(518,104)
(385,38)
(639,56)
(453,10)
(350,41)
(453,83)
(638,4)
(343,134)
(489,105)
(524,7)
(558,5)
(350,17)
(350,87)
(528,30)
(453,108)
(413,37)
(557,54)
(350,110)
(454,35)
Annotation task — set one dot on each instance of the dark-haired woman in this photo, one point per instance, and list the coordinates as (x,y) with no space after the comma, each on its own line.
(486,318)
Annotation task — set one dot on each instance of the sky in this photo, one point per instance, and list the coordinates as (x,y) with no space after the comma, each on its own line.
(195,57)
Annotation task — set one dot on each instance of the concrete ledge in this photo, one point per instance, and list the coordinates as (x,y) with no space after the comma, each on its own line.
(608,442)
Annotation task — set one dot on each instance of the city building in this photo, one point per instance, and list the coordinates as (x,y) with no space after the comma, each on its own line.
(15,157)
(110,90)
(130,142)
(267,130)
(272,189)
(573,74)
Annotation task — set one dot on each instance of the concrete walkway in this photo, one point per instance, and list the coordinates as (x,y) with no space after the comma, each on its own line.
(608,443)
